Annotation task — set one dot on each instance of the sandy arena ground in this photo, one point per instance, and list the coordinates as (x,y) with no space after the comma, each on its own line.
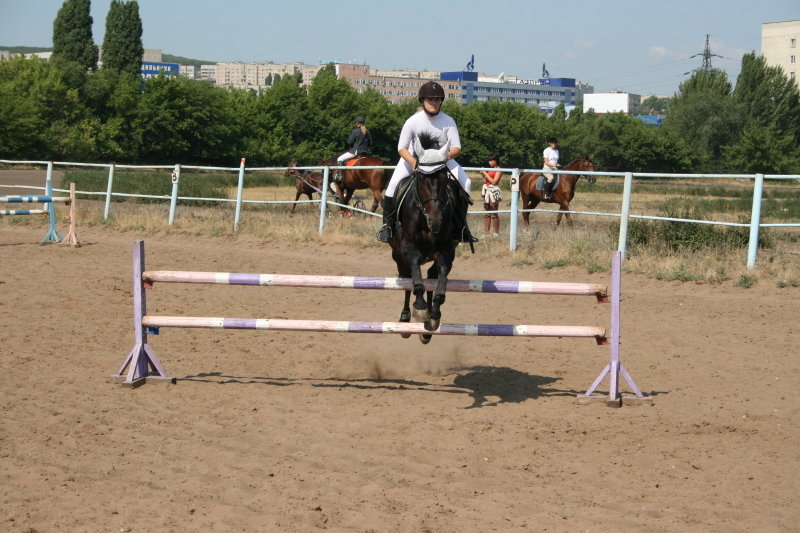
(287,431)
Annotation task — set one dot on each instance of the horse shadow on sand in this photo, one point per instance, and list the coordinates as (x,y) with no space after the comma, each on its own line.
(487,386)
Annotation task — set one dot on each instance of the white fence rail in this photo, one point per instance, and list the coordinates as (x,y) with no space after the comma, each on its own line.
(514,211)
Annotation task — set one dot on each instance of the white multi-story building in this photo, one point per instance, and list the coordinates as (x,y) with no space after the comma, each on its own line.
(612,102)
(779,46)
(256,76)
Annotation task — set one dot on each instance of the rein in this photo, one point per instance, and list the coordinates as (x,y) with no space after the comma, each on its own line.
(303,179)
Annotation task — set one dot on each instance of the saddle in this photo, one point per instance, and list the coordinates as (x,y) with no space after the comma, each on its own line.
(554,186)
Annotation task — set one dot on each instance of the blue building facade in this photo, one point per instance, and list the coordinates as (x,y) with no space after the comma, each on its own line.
(544,93)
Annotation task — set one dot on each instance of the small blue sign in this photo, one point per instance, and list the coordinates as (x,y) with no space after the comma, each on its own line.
(151,69)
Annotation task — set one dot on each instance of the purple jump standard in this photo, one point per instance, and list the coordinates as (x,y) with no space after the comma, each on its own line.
(142,365)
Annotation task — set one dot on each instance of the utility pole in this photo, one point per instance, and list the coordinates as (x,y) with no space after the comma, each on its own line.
(707,55)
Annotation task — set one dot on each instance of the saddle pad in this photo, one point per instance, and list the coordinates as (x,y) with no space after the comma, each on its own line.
(540,182)
(351,162)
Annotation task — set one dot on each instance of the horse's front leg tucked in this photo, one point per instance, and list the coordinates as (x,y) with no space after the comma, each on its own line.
(440,270)
(420,305)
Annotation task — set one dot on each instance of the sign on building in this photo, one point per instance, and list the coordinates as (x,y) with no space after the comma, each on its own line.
(151,69)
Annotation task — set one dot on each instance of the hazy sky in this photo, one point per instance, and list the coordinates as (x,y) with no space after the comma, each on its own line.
(635,46)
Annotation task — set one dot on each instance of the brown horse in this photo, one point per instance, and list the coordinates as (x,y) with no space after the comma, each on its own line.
(306,182)
(354,178)
(531,194)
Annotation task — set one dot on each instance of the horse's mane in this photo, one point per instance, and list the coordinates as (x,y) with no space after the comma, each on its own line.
(428,141)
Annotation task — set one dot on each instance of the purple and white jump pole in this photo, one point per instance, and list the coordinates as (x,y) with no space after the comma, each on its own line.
(142,364)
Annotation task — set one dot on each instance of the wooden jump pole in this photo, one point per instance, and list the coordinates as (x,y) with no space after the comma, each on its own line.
(357,282)
(482,330)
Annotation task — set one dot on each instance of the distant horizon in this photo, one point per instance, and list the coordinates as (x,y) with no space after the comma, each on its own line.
(618,45)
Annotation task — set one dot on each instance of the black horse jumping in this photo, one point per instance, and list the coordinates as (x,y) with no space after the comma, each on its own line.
(427,210)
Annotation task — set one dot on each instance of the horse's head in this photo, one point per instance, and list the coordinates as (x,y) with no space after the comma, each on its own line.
(433,199)
(290,170)
(430,160)
(586,164)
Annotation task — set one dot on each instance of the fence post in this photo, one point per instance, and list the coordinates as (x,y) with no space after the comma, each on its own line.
(323,204)
(176,176)
(513,221)
(239,189)
(626,213)
(755,221)
(108,191)
(52,235)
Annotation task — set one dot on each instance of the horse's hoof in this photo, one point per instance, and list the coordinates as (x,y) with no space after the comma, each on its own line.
(433,324)
(405,317)
(421,315)
(425,339)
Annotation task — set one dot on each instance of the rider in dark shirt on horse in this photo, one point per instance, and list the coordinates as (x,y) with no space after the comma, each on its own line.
(358,144)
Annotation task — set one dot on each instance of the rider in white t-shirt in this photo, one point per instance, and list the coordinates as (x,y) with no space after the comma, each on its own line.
(434,125)
(551,157)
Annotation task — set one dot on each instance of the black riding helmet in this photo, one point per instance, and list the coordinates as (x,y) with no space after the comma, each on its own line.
(430,89)
(359,119)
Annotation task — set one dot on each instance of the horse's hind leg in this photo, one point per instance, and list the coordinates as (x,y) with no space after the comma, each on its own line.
(525,215)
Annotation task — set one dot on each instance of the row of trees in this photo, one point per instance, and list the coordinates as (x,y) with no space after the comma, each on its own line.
(122,45)
(64,110)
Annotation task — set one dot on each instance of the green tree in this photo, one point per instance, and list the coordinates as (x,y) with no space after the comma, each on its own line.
(767,96)
(183,121)
(333,103)
(122,45)
(72,34)
(328,70)
(279,125)
(516,132)
(654,105)
(704,114)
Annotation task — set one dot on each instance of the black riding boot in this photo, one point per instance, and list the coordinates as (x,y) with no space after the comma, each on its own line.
(389,218)
(547,190)
(462,227)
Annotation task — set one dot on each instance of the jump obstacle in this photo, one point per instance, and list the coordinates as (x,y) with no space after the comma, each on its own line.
(143,366)
(49,200)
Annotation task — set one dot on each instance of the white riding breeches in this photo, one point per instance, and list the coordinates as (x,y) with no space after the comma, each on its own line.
(403,169)
(549,176)
(344,157)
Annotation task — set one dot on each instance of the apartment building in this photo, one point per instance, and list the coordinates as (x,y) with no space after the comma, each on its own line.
(779,46)
(256,76)
(396,88)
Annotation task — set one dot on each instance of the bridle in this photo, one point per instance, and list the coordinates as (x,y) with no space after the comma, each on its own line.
(442,198)
(584,162)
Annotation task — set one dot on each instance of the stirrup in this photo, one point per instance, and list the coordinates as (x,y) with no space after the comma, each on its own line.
(384,233)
